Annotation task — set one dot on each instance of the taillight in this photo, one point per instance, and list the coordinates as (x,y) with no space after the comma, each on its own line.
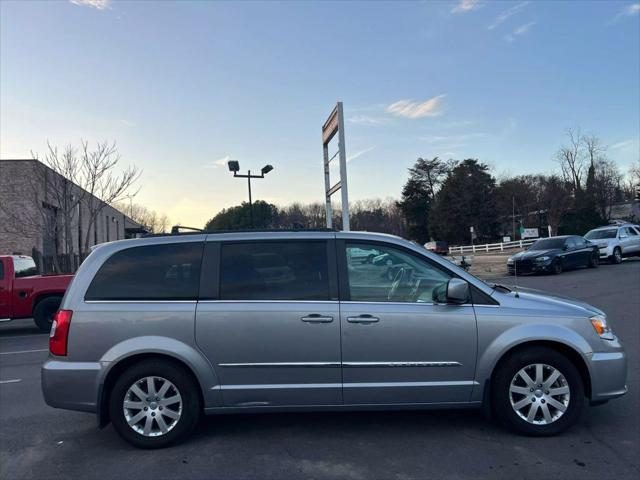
(60,332)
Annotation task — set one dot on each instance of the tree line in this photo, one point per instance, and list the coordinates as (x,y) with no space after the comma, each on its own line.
(447,199)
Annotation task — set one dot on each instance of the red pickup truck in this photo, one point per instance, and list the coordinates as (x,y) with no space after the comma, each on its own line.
(24,293)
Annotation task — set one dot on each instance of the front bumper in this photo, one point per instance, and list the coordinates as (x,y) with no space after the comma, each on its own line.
(608,374)
(605,252)
(71,385)
(529,267)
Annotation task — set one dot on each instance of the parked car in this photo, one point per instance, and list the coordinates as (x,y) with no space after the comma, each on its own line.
(149,347)
(616,241)
(553,255)
(24,293)
(439,247)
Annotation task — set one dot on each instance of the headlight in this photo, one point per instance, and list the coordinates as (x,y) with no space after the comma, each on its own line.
(601,327)
(542,259)
(602,245)
(510,261)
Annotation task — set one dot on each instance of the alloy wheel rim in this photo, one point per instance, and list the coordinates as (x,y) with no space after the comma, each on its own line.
(152,406)
(618,255)
(539,394)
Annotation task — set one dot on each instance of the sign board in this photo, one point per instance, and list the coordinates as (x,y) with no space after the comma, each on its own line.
(506,239)
(530,233)
(335,125)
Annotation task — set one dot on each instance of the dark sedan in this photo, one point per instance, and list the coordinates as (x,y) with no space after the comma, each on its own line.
(555,254)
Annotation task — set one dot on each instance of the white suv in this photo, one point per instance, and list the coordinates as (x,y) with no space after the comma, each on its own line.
(616,241)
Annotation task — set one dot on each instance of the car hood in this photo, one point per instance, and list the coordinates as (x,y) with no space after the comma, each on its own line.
(602,241)
(553,300)
(528,254)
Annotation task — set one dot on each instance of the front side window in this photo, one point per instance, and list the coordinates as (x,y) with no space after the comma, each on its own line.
(152,272)
(292,270)
(393,275)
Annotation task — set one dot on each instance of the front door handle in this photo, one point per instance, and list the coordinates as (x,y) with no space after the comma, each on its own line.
(365,318)
(317,318)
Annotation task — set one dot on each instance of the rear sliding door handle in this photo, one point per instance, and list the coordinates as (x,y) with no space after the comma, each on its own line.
(317,318)
(366,318)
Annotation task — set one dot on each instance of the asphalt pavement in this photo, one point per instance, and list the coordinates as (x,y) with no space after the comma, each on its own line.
(40,442)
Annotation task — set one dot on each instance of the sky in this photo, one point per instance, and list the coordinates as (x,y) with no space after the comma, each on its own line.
(182,87)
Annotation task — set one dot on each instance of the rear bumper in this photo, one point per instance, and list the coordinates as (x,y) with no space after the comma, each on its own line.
(71,385)
(608,375)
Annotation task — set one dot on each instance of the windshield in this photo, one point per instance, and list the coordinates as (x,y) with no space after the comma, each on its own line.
(24,267)
(598,234)
(547,244)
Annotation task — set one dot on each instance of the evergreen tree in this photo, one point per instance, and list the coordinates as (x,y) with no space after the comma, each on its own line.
(466,199)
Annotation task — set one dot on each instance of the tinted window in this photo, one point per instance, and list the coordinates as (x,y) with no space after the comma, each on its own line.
(274,271)
(632,231)
(599,234)
(24,267)
(547,244)
(392,276)
(629,231)
(154,272)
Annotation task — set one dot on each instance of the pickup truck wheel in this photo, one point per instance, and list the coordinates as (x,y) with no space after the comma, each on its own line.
(538,391)
(44,311)
(154,403)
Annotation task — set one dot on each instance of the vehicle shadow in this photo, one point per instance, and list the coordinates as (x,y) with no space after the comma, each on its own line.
(20,327)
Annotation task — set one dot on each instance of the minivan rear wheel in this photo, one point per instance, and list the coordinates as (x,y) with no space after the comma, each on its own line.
(154,403)
(538,391)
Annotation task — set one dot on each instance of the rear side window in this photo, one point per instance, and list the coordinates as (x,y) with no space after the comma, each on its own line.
(274,271)
(153,272)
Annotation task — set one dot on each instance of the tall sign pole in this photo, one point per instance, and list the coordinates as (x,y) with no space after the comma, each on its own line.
(333,125)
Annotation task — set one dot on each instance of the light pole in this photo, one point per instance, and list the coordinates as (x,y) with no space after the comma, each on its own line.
(234,166)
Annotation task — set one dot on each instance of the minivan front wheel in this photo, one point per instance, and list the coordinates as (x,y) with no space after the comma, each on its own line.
(154,403)
(538,391)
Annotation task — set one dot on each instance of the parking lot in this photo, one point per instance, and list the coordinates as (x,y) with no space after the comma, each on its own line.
(37,441)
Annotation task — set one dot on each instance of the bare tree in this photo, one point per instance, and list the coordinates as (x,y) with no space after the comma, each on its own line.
(149,219)
(103,185)
(594,148)
(555,199)
(606,185)
(572,159)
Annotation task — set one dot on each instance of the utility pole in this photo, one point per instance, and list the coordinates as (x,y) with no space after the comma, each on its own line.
(513,215)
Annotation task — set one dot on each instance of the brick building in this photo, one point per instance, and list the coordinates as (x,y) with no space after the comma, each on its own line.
(43,214)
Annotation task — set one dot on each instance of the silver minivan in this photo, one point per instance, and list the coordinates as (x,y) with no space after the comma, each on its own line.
(154,332)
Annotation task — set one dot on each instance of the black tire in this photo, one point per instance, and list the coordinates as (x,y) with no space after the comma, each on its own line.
(44,311)
(184,384)
(594,261)
(556,268)
(509,368)
(616,258)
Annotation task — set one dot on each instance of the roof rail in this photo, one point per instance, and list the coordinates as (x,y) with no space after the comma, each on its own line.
(196,231)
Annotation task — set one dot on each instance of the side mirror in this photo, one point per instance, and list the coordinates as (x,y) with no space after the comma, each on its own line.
(454,291)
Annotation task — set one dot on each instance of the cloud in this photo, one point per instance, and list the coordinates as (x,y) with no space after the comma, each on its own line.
(521,30)
(628,11)
(127,123)
(411,109)
(367,120)
(623,145)
(359,154)
(464,6)
(452,139)
(98,4)
(506,14)
(221,162)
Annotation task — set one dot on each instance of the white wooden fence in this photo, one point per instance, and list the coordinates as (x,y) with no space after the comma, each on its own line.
(492,247)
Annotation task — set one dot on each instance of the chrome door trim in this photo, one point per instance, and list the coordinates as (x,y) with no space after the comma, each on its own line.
(141,301)
(401,364)
(274,386)
(454,383)
(281,364)
(269,301)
